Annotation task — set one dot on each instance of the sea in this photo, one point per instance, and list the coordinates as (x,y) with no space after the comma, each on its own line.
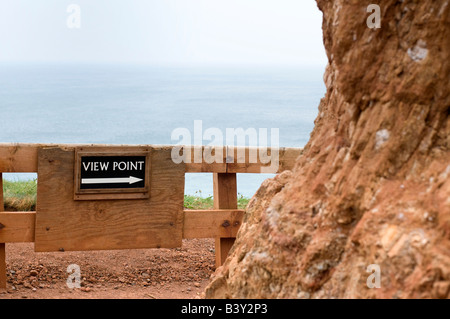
(142,104)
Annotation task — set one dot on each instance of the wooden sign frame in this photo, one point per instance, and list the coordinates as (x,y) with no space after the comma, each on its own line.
(114,193)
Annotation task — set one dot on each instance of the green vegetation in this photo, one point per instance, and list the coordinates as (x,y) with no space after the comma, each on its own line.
(195,202)
(21,196)
(199,202)
(242,201)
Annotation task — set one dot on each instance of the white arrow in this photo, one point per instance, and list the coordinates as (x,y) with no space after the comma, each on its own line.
(112,180)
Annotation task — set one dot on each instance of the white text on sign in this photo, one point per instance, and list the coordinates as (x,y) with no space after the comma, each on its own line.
(120,166)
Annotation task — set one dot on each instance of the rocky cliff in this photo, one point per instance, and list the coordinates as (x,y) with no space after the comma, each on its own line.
(372,186)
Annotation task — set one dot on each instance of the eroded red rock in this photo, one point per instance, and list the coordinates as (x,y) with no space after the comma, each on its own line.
(372,185)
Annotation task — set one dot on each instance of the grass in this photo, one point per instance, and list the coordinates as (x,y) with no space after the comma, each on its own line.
(21,196)
(242,201)
(199,202)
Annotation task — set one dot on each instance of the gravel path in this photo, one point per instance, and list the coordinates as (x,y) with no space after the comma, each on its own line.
(141,273)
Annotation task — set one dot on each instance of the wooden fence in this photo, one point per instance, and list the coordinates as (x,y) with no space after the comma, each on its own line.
(119,223)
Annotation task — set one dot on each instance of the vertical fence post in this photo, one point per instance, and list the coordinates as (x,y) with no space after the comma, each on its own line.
(2,245)
(225,197)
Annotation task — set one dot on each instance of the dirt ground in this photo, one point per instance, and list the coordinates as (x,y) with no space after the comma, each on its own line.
(139,274)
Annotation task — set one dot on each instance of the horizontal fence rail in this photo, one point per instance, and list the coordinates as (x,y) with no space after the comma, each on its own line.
(23,158)
(18,227)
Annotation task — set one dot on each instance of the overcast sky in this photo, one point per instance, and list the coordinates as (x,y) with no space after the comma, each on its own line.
(164,32)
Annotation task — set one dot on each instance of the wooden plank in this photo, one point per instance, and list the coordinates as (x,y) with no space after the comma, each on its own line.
(204,159)
(2,205)
(2,245)
(225,197)
(103,196)
(18,158)
(17,227)
(212,223)
(243,160)
(197,224)
(225,191)
(261,160)
(288,158)
(65,224)
(224,245)
(22,158)
(2,266)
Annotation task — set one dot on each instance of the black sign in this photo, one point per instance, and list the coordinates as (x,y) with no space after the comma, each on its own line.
(112,172)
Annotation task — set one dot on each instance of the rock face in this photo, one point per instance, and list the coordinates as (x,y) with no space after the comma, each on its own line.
(372,186)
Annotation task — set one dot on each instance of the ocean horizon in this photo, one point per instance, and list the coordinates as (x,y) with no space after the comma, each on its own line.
(141,104)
